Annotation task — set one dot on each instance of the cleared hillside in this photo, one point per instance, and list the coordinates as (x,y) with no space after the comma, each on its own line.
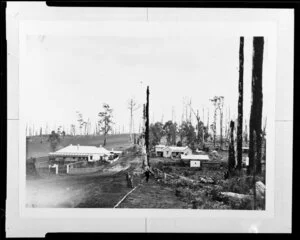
(38,146)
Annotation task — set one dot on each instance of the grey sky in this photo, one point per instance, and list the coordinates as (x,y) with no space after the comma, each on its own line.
(66,74)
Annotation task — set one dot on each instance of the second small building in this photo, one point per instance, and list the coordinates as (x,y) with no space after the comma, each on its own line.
(176,152)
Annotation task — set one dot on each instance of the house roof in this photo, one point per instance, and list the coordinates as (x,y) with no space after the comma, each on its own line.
(177,149)
(195,157)
(77,150)
(160,146)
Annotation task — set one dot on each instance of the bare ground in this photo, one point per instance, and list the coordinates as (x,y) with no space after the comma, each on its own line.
(153,195)
(97,190)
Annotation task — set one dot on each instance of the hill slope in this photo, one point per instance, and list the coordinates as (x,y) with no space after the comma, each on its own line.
(38,146)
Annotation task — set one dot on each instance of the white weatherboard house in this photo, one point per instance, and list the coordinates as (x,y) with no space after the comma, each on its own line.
(195,160)
(159,150)
(77,152)
(173,151)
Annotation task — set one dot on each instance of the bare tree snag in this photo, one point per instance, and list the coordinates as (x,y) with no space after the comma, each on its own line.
(147,127)
(231,157)
(221,121)
(240,106)
(257,104)
(132,106)
(218,102)
(254,170)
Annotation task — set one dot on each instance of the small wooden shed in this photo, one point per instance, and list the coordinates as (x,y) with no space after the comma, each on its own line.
(174,151)
(195,160)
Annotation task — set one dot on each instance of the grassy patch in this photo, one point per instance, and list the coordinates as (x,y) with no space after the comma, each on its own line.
(208,196)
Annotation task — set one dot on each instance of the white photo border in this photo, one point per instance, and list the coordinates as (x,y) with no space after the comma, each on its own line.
(19,219)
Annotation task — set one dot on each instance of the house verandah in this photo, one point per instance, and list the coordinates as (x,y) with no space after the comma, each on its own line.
(76,156)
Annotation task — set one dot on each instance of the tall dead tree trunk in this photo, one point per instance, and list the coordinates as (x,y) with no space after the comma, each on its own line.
(221,123)
(190,117)
(215,126)
(254,170)
(264,146)
(207,119)
(231,156)
(203,126)
(144,120)
(240,106)
(246,133)
(174,128)
(257,103)
(147,127)
(131,105)
(104,142)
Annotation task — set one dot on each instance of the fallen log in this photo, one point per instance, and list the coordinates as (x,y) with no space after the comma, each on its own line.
(236,196)
(124,197)
(187,179)
(200,180)
(260,189)
(206,180)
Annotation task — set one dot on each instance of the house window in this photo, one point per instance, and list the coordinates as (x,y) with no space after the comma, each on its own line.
(91,157)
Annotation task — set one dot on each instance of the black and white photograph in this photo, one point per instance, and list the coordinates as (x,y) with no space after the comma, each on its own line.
(147,114)
(169,120)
